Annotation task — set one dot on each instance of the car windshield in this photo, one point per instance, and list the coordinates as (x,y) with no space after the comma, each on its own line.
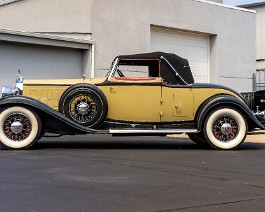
(123,67)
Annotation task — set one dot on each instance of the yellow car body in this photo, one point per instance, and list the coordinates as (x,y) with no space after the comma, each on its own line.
(139,101)
(159,98)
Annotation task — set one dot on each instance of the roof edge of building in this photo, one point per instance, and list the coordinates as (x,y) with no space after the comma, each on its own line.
(3,3)
(46,36)
(253,5)
(226,6)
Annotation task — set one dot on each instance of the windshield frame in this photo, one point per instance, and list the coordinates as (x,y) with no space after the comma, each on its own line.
(113,69)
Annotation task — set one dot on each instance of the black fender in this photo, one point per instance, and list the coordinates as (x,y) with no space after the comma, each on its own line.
(226,100)
(47,114)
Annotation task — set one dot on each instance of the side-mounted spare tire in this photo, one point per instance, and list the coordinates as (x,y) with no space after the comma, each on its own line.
(84,103)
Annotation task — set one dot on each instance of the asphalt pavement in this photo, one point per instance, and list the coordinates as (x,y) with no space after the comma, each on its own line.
(104,173)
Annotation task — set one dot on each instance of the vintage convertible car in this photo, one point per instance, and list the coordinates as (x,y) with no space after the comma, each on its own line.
(160,98)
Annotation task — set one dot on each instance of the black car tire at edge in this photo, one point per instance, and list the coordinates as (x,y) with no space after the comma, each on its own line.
(86,104)
(198,138)
(20,127)
(219,123)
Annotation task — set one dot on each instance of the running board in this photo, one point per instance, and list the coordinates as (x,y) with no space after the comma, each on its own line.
(152,132)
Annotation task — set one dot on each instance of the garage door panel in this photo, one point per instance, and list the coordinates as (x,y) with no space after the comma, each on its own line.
(185,42)
(38,62)
(192,51)
(194,47)
(177,38)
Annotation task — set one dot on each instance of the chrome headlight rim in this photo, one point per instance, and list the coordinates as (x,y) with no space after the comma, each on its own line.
(7,91)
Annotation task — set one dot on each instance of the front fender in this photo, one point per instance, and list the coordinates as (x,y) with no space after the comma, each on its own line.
(226,100)
(45,110)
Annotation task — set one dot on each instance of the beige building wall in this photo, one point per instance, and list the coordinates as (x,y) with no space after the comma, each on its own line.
(124,27)
(47,16)
(127,30)
(260,23)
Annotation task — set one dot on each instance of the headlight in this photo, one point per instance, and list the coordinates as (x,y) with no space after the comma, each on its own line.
(7,91)
(13,91)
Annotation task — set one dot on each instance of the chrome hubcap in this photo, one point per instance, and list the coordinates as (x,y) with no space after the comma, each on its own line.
(83,108)
(226,128)
(16,127)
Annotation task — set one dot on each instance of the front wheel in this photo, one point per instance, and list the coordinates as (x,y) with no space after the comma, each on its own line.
(20,127)
(225,128)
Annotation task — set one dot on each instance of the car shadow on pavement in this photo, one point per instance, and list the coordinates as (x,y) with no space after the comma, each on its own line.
(145,143)
(108,142)
(252,146)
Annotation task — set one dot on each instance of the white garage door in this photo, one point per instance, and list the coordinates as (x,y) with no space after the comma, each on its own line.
(193,47)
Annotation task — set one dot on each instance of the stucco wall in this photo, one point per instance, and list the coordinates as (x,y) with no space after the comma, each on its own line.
(46,16)
(123,27)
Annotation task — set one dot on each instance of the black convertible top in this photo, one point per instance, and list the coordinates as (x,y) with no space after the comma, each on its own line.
(180,64)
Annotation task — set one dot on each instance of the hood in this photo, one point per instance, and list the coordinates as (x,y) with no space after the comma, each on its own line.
(62,81)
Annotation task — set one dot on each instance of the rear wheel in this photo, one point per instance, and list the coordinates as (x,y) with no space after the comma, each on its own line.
(20,127)
(225,128)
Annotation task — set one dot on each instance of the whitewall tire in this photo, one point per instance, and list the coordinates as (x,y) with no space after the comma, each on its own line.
(225,128)
(20,127)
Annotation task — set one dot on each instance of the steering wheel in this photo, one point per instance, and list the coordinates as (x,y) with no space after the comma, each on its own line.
(120,73)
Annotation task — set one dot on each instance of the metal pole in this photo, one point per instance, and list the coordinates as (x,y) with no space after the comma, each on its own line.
(254,82)
(93,61)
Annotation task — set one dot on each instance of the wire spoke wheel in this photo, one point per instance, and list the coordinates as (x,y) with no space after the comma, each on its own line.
(83,108)
(225,128)
(20,127)
(85,104)
(17,127)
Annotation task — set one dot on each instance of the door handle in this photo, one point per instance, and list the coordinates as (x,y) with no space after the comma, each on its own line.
(112,90)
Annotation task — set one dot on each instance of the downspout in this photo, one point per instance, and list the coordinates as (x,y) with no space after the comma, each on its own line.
(92,61)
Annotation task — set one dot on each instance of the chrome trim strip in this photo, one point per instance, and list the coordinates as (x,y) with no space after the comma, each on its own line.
(168,131)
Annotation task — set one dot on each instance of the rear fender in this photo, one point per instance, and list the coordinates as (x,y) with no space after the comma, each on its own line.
(224,101)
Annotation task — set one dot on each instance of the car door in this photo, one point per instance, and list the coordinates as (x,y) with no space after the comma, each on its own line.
(177,103)
(135,99)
